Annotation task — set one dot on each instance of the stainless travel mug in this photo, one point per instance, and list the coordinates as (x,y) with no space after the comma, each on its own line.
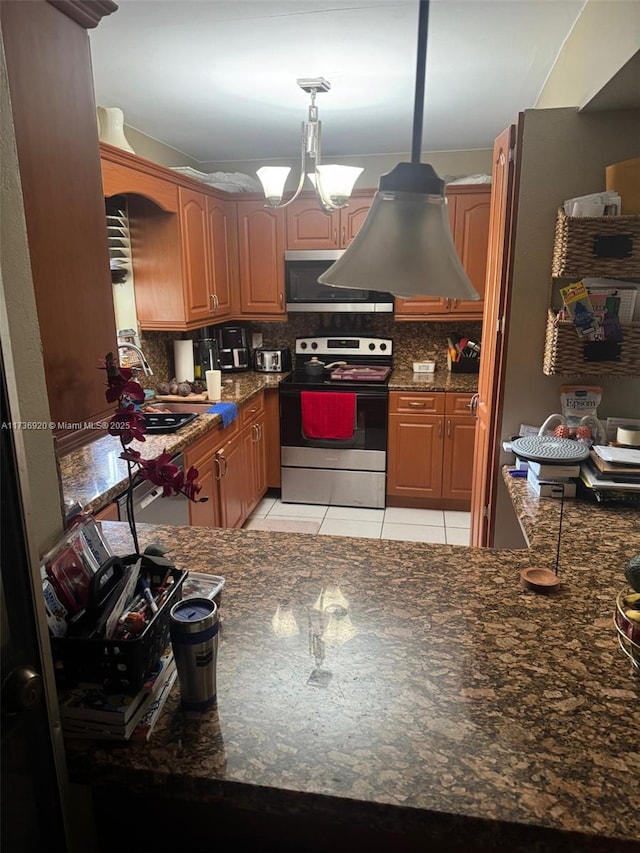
(194,637)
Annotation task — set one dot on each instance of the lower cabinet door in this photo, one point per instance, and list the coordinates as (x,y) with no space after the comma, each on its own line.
(255,463)
(205,513)
(415,456)
(457,475)
(232,484)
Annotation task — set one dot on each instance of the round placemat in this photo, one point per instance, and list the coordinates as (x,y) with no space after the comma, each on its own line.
(547,448)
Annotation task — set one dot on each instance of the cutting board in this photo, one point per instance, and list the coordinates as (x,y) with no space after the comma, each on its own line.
(176,398)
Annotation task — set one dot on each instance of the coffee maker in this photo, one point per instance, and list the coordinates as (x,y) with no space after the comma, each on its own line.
(234,353)
(205,356)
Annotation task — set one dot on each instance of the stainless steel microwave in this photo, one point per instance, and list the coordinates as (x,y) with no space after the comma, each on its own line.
(305,293)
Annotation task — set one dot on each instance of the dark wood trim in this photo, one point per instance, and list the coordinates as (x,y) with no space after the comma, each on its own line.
(87,13)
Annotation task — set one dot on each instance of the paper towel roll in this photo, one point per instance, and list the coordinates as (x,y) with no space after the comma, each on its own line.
(214,385)
(183,360)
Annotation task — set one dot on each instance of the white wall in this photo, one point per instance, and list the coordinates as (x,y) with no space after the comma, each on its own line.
(605,37)
(564,154)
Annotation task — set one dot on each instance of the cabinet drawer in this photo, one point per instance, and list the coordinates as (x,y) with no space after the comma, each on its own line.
(458,404)
(252,409)
(209,443)
(417,403)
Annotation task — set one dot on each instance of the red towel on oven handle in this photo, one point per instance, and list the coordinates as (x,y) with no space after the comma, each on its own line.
(328,414)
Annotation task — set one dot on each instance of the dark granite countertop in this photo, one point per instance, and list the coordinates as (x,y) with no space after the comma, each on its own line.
(94,475)
(460,707)
(404,379)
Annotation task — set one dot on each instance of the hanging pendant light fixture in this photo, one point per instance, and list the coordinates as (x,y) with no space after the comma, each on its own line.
(405,245)
(333,184)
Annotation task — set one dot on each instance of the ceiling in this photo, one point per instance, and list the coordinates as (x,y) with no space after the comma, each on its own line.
(216,79)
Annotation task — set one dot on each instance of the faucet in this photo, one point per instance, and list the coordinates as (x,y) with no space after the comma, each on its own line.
(146,369)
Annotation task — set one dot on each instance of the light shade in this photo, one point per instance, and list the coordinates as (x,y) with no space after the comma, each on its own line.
(337,181)
(273,179)
(405,245)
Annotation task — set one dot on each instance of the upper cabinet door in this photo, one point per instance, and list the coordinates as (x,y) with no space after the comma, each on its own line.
(222,225)
(468,211)
(309,227)
(195,255)
(352,217)
(471,237)
(261,259)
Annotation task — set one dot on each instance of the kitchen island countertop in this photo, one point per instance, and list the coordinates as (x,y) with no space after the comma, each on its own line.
(455,706)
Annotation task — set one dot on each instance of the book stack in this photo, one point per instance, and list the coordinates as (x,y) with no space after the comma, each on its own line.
(612,472)
(89,711)
(549,480)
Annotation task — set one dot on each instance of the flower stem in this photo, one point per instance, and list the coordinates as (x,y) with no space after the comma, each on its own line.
(130,515)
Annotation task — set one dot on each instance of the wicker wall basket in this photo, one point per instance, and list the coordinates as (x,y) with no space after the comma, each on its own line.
(565,354)
(606,246)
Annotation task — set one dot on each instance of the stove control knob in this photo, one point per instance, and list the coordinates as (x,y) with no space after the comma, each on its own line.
(303,345)
(372,346)
(383,346)
(314,345)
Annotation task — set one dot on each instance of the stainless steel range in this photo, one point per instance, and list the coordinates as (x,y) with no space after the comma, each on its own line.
(333,422)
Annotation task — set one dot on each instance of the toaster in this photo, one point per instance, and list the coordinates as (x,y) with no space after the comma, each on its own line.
(276,360)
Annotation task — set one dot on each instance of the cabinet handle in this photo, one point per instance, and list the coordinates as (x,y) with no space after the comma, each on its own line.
(416,404)
(281,298)
(216,302)
(473,404)
(440,428)
(448,428)
(335,236)
(256,434)
(218,474)
(344,236)
(213,303)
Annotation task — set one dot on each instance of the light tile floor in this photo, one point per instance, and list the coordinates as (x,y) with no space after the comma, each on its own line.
(408,525)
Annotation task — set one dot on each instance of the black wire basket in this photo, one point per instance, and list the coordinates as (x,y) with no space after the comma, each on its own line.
(116,665)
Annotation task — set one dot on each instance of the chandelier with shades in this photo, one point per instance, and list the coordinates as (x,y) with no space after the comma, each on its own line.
(333,183)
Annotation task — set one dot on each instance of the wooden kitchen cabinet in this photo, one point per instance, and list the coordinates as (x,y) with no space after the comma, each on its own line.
(459,439)
(121,179)
(430,450)
(272,437)
(309,227)
(468,207)
(232,468)
(261,260)
(184,244)
(202,455)
(196,261)
(232,482)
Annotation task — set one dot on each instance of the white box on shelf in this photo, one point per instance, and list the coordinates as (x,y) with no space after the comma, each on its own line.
(424,366)
(551,488)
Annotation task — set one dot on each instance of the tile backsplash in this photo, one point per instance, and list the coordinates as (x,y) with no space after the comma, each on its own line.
(411,341)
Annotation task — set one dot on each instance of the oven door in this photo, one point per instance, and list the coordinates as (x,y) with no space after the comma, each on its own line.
(370,430)
(335,472)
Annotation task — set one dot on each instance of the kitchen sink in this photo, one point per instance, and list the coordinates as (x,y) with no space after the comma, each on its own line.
(163,423)
(183,408)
